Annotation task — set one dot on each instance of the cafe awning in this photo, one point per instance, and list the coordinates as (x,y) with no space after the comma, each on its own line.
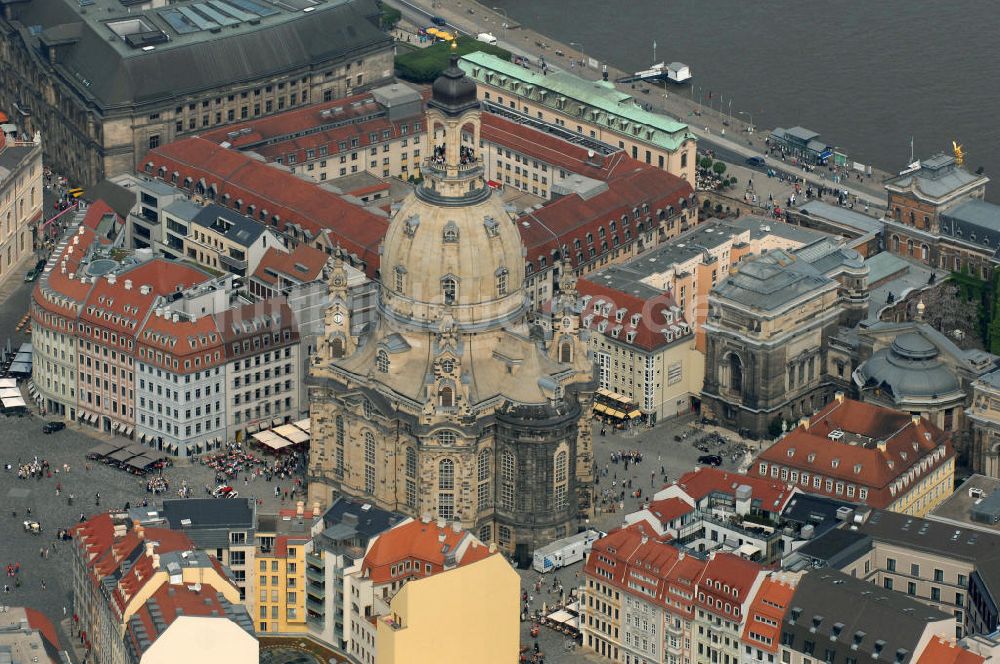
(6,383)
(635,413)
(8,393)
(600,408)
(292,433)
(304,424)
(13,402)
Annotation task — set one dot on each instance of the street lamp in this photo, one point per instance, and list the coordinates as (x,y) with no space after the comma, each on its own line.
(748,113)
(506,19)
(579,47)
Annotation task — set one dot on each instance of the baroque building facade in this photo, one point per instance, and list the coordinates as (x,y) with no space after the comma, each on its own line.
(449,404)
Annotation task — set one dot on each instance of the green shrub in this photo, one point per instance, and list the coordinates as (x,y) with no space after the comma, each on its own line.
(426,64)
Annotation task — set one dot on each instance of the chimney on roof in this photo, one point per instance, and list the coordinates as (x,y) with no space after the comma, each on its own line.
(804,423)
(112,279)
(425,518)
(145,289)
(456,526)
(76,239)
(441,537)
(493,547)
(79,230)
(300,508)
(880,444)
(915,419)
(441,523)
(316,511)
(128,284)
(839,396)
(72,275)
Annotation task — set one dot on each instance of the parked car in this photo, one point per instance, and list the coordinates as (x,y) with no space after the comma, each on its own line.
(52,427)
(34,272)
(437,20)
(756,162)
(710,460)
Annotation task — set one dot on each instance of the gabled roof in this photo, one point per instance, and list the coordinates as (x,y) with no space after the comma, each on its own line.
(728,579)
(273,191)
(564,220)
(423,543)
(551,149)
(871,446)
(302,264)
(770,496)
(650,330)
(939,651)
(762,626)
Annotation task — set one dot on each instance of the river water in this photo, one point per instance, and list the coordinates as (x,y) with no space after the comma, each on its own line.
(866,74)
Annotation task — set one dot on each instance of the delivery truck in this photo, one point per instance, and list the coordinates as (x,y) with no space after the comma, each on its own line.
(564,552)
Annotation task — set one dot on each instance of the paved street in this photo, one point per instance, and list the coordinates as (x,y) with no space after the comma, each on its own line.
(722,131)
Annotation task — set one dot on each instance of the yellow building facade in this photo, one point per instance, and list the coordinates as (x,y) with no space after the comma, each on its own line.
(280,569)
(466,614)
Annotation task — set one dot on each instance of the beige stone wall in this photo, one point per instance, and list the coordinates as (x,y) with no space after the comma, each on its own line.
(20,209)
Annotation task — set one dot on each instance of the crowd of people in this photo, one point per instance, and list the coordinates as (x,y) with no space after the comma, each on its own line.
(466,155)
(34,469)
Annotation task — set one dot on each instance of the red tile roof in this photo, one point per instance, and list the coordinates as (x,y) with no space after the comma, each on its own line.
(294,200)
(633,557)
(550,149)
(422,543)
(303,263)
(648,332)
(571,217)
(855,457)
(668,509)
(284,134)
(939,651)
(175,600)
(122,307)
(38,620)
(726,583)
(764,616)
(772,495)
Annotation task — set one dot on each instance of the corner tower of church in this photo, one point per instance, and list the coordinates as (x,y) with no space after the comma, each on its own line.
(450,405)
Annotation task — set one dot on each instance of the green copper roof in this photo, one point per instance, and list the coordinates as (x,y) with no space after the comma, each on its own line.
(617,111)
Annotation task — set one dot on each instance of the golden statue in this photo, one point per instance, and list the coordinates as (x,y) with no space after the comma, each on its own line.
(959,153)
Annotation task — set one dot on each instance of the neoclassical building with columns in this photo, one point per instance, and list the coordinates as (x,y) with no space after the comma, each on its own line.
(450,404)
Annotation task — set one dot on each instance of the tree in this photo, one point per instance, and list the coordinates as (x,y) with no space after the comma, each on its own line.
(389,17)
(705,162)
(719,167)
(950,307)
(774,428)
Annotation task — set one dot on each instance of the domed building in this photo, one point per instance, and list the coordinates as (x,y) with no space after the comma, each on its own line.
(449,405)
(909,375)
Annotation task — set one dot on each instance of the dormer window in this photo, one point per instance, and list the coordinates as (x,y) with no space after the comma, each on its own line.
(412,224)
(492,227)
(451,232)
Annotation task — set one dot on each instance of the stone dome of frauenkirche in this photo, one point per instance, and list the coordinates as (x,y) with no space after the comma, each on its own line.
(452,249)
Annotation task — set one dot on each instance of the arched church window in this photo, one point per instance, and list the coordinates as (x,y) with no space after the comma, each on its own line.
(451,232)
(449,288)
(382,361)
(446,397)
(446,475)
(566,352)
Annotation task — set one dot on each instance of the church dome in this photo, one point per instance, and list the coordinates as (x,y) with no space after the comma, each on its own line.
(465,260)
(453,92)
